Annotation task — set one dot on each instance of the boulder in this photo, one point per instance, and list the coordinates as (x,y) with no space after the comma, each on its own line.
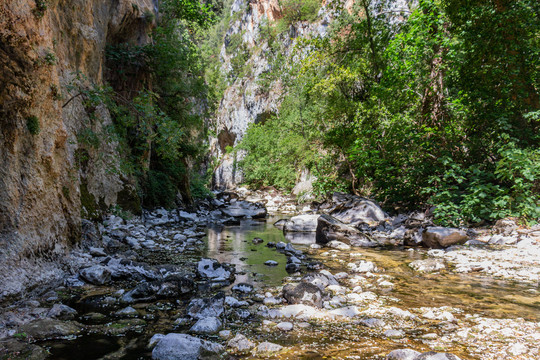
(181,346)
(329,229)
(97,275)
(285,326)
(245,209)
(45,329)
(301,223)
(355,210)
(62,312)
(213,270)
(303,293)
(437,237)
(209,307)
(240,344)
(209,325)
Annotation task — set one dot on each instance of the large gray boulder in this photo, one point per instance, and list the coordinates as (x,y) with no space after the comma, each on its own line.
(437,237)
(97,275)
(181,346)
(245,209)
(355,210)
(330,228)
(301,223)
(303,293)
(209,325)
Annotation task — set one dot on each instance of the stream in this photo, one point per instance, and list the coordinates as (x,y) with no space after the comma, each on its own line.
(461,295)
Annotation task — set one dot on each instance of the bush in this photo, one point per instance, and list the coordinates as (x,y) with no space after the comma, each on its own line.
(298,10)
(32,123)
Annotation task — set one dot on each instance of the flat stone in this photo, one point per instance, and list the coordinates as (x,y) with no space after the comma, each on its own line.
(45,329)
(285,326)
(268,348)
(181,346)
(271,263)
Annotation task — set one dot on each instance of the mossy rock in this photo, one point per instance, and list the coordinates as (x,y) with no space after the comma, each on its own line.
(91,208)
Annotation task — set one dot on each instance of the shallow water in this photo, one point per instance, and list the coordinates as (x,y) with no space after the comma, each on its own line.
(473,293)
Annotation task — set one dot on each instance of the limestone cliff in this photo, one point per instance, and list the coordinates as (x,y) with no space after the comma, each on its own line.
(245,101)
(48,50)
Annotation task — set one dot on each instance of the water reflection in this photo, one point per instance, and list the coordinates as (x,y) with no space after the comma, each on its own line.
(233,244)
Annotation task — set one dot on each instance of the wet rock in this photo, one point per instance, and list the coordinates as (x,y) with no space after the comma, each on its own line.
(268,348)
(127,312)
(292,268)
(171,287)
(245,209)
(97,275)
(301,223)
(13,349)
(285,326)
(329,229)
(439,237)
(181,346)
(62,312)
(303,293)
(355,210)
(257,241)
(213,270)
(403,354)
(209,307)
(271,263)
(243,288)
(44,329)
(428,265)
(280,224)
(209,325)
(432,355)
(240,344)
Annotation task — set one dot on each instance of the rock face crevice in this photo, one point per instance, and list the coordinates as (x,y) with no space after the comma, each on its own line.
(45,49)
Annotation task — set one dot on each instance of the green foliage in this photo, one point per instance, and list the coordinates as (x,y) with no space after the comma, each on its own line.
(50,58)
(41,7)
(298,10)
(441,110)
(32,124)
(275,155)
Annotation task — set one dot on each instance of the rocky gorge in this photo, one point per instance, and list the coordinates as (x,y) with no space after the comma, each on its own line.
(339,279)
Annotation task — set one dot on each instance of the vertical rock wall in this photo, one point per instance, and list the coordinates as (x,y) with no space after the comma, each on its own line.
(44,182)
